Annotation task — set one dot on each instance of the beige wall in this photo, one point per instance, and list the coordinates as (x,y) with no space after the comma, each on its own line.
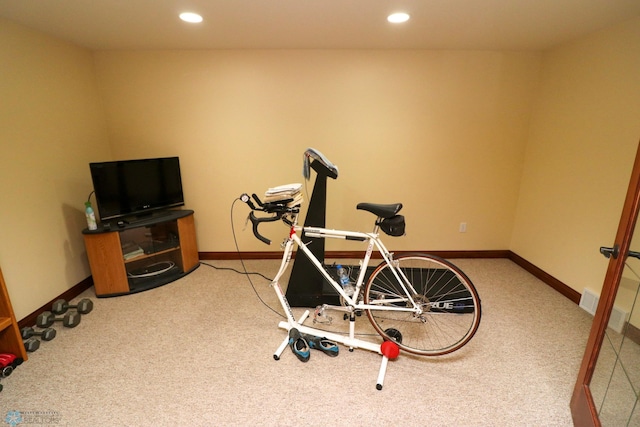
(532,150)
(442,132)
(51,125)
(585,130)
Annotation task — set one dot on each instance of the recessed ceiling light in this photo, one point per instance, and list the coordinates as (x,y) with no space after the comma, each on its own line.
(397,18)
(191,17)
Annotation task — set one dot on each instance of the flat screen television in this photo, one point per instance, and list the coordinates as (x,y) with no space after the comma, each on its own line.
(136,188)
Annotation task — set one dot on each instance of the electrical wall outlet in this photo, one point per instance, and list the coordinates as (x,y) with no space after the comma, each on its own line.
(463,227)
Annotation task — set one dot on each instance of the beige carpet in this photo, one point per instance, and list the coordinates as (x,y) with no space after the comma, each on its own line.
(199,352)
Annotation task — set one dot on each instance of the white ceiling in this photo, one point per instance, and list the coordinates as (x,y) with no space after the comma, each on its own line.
(334,24)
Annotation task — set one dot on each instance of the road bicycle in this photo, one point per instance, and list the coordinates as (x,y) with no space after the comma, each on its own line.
(423,304)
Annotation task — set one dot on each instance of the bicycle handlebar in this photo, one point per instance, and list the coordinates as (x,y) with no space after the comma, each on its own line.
(279,209)
(256,221)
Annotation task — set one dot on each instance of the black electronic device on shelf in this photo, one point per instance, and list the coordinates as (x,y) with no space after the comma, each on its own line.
(307,287)
(129,190)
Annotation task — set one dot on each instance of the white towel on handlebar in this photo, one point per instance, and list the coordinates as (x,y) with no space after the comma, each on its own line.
(284,192)
(287,189)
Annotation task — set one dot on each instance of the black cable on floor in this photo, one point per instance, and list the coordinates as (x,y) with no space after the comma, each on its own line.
(236,271)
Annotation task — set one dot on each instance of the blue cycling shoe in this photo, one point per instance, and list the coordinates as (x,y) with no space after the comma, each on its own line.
(324,345)
(299,345)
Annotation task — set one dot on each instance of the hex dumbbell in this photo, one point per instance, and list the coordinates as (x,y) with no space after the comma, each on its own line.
(70,320)
(46,334)
(61,306)
(31,345)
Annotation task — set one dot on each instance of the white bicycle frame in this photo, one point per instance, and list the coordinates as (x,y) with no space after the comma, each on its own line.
(352,303)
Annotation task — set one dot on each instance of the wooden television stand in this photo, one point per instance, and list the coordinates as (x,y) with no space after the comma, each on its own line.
(143,253)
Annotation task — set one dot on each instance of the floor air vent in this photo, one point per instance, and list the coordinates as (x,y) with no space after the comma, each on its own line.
(589,303)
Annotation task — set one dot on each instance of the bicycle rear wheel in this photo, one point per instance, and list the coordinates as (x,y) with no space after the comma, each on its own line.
(448,300)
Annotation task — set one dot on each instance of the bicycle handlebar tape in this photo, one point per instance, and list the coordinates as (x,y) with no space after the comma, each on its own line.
(256,221)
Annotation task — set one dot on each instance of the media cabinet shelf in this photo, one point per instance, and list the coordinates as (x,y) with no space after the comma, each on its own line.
(155,254)
(10,339)
(162,249)
(5,322)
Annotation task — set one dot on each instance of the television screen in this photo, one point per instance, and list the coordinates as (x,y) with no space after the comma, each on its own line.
(136,187)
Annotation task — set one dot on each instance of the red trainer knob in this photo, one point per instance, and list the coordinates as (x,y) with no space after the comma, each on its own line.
(390,349)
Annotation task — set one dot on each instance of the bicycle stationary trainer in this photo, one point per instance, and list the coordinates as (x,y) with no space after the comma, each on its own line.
(418,303)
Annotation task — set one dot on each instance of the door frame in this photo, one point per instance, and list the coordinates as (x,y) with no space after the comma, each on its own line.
(583,409)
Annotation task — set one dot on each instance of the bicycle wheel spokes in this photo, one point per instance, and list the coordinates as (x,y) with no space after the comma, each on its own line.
(448,311)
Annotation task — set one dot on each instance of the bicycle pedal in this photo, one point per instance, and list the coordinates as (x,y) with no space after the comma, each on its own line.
(319,316)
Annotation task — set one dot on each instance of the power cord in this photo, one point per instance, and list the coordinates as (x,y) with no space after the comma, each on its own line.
(236,271)
(244,267)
